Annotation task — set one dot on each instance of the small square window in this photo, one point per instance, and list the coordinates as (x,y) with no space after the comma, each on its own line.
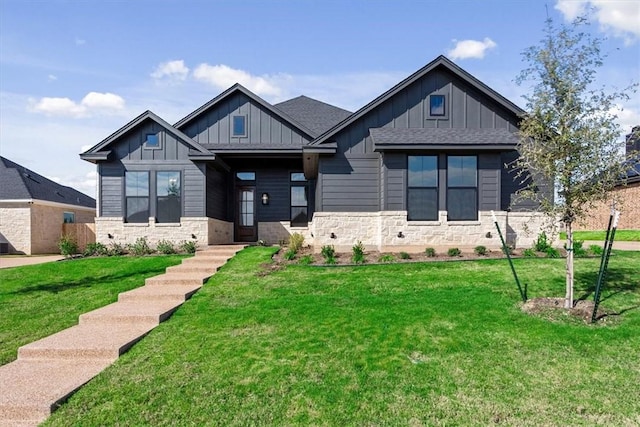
(239,125)
(69,217)
(298,177)
(437,105)
(152,141)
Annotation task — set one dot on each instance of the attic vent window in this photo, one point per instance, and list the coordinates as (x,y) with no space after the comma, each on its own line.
(152,141)
(437,106)
(239,128)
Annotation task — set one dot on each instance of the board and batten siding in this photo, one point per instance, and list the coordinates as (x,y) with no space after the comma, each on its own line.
(217,194)
(214,125)
(111,188)
(131,146)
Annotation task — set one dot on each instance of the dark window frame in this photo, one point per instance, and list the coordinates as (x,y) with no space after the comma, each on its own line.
(156,146)
(422,187)
(445,107)
(168,218)
(68,217)
(298,182)
(128,198)
(454,188)
(244,132)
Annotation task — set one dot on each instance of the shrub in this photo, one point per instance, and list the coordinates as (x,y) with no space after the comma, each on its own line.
(140,247)
(295,242)
(358,253)
(262,242)
(166,247)
(480,250)
(507,250)
(67,246)
(430,252)
(115,249)
(578,250)
(188,246)
(454,252)
(289,254)
(328,252)
(404,255)
(529,253)
(306,260)
(552,252)
(95,249)
(386,258)
(541,244)
(596,249)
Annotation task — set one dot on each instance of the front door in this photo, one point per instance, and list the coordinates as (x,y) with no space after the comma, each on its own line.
(245,221)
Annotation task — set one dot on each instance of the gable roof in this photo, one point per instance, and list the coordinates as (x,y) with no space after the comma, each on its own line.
(316,115)
(20,183)
(238,88)
(97,152)
(440,61)
(387,138)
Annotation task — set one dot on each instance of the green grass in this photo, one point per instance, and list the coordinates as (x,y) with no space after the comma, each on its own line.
(440,343)
(621,235)
(39,300)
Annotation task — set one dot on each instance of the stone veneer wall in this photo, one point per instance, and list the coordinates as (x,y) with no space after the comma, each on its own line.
(380,231)
(207,231)
(15,226)
(628,202)
(274,232)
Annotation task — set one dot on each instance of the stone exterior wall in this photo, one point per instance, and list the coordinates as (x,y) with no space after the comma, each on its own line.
(390,231)
(274,232)
(206,231)
(627,201)
(15,226)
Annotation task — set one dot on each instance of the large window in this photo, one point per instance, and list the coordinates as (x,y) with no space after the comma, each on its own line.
(168,207)
(137,196)
(462,188)
(422,193)
(299,200)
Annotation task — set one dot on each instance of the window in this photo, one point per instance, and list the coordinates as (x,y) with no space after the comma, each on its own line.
(239,126)
(168,207)
(462,188)
(299,200)
(152,141)
(68,217)
(437,105)
(137,196)
(246,176)
(422,193)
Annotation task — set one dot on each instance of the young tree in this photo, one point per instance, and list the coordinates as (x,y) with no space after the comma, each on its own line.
(569,135)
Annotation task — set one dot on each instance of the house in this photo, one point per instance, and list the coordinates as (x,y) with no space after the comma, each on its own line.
(423,164)
(33,210)
(626,194)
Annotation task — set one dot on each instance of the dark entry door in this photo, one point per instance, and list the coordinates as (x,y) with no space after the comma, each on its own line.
(245,221)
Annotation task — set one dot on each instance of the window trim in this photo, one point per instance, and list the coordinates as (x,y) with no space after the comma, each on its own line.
(157,197)
(466,187)
(73,217)
(297,183)
(436,187)
(146,145)
(445,100)
(244,126)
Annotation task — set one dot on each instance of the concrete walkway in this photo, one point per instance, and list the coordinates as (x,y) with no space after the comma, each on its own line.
(621,246)
(7,261)
(49,370)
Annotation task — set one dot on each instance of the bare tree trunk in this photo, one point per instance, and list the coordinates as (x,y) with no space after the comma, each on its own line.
(568,302)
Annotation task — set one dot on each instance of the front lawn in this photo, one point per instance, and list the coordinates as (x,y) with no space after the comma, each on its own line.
(621,235)
(402,344)
(39,300)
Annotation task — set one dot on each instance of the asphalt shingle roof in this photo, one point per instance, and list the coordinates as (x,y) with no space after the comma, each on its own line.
(20,183)
(316,115)
(403,136)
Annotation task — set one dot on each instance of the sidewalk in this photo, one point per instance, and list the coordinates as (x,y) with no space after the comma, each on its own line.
(7,261)
(622,246)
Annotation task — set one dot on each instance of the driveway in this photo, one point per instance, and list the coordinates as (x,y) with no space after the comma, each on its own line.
(17,261)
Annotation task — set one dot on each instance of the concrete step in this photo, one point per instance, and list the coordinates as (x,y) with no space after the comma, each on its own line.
(82,342)
(222,248)
(178,279)
(175,293)
(204,268)
(32,389)
(206,259)
(136,313)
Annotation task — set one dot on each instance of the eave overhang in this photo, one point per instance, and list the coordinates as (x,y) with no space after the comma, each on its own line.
(95,157)
(443,147)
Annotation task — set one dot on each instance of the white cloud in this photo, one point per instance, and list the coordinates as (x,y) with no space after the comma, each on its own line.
(52,77)
(471,48)
(171,70)
(222,77)
(621,18)
(93,102)
(80,42)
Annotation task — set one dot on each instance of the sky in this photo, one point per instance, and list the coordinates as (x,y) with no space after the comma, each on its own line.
(73,72)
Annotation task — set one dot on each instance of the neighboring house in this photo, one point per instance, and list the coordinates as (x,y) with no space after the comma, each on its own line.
(423,164)
(33,209)
(626,195)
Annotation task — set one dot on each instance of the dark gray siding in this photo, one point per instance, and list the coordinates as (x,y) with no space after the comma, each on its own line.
(511,184)
(217,194)
(214,126)
(354,181)
(194,190)
(131,146)
(275,182)
(350,183)
(111,187)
